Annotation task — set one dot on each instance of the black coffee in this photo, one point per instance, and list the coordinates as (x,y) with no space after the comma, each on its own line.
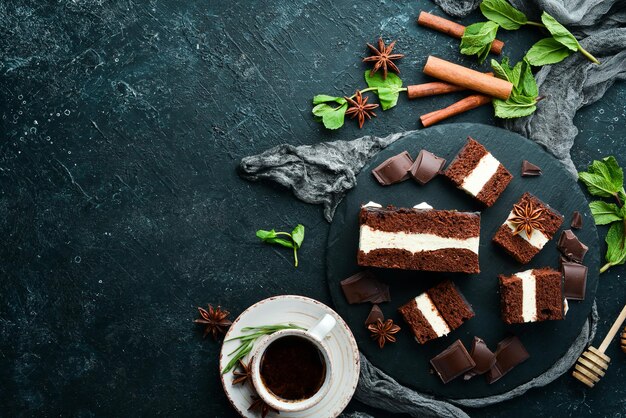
(292,368)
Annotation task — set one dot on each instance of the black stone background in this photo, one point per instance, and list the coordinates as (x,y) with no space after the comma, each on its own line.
(122,123)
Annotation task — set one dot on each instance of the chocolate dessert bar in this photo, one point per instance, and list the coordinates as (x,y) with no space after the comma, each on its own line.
(436,312)
(478,173)
(531,296)
(419,239)
(528,228)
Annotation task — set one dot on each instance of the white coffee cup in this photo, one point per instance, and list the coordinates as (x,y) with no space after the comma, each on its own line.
(316,336)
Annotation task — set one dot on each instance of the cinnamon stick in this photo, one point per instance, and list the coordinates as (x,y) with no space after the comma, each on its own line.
(468,78)
(451,28)
(432,89)
(469,103)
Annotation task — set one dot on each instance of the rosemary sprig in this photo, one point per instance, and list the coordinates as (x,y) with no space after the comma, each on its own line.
(247,341)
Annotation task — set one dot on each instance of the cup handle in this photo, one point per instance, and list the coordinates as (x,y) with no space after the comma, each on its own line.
(323,327)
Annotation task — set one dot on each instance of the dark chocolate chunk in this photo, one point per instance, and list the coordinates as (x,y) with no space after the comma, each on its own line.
(575,280)
(530,169)
(374,316)
(510,353)
(577,220)
(365,287)
(452,362)
(394,169)
(571,247)
(482,356)
(426,166)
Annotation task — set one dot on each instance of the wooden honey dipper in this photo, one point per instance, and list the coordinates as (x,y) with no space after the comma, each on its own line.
(593,363)
(624,340)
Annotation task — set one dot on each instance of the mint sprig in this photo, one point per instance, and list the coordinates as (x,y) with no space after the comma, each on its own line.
(291,240)
(605,178)
(247,341)
(477,39)
(524,96)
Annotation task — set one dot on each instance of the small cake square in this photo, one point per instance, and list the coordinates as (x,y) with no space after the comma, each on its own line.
(436,312)
(419,239)
(528,228)
(531,296)
(478,173)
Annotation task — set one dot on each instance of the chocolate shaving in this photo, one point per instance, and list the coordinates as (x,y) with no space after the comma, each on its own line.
(374,315)
(575,280)
(577,220)
(530,169)
(394,169)
(571,247)
(510,353)
(482,356)
(365,287)
(452,362)
(426,166)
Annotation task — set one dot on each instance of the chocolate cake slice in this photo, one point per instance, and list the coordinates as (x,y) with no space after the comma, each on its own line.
(436,312)
(531,296)
(478,173)
(529,215)
(419,239)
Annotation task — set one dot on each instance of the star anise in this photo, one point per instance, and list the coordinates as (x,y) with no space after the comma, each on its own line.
(259,405)
(526,218)
(383,331)
(214,320)
(383,58)
(359,107)
(245,375)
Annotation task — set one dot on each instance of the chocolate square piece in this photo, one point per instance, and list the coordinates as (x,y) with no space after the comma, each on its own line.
(575,280)
(452,362)
(394,169)
(577,220)
(365,287)
(426,166)
(571,247)
(510,353)
(374,315)
(482,356)
(530,169)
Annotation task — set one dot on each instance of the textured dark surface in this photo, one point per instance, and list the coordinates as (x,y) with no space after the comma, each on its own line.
(121,124)
(408,362)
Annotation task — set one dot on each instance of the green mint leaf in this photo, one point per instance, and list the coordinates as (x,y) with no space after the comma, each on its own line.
(377,80)
(547,51)
(387,90)
(332,117)
(324,98)
(279,241)
(477,39)
(559,32)
(604,178)
(516,106)
(264,235)
(298,235)
(503,14)
(527,86)
(504,71)
(615,240)
(605,213)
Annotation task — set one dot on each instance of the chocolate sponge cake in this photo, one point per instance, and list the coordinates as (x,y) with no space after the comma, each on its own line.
(531,296)
(436,312)
(528,228)
(478,173)
(419,239)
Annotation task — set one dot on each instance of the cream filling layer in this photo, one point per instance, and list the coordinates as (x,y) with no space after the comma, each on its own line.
(374,239)
(481,174)
(432,315)
(538,239)
(529,295)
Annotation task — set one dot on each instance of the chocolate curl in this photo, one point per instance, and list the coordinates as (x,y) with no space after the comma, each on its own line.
(451,28)
(468,103)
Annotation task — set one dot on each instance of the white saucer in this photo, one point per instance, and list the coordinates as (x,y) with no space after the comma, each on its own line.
(305,312)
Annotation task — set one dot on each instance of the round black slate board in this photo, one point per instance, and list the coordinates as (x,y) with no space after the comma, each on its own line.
(407,361)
